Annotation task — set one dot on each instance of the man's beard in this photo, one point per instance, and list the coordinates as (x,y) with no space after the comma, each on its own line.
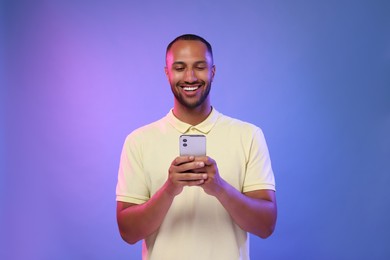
(186,104)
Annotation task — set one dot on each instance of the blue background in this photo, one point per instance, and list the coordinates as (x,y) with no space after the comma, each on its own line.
(78,76)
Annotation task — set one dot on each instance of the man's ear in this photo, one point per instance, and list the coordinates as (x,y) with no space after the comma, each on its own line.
(166,71)
(212,72)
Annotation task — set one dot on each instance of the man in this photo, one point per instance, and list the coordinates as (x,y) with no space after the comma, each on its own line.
(195,207)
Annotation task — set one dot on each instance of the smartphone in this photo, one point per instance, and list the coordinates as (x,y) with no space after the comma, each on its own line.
(192,145)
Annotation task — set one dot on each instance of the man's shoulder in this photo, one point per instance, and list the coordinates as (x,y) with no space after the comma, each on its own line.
(151,129)
(232,122)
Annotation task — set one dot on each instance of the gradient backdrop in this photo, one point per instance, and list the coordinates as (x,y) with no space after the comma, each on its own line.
(77,76)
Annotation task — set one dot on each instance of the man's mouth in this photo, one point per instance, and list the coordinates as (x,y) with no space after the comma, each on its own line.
(191,88)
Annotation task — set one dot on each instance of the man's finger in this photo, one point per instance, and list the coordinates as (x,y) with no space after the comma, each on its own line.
(182,159)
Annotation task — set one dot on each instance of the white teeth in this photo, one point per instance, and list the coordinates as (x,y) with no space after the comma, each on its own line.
(190,88)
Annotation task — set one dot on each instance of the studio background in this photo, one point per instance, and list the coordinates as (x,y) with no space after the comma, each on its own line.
(78,76)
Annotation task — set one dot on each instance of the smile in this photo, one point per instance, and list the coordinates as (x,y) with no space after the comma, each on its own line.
(190,88)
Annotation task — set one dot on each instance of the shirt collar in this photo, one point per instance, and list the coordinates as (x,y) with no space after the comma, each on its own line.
(203,127)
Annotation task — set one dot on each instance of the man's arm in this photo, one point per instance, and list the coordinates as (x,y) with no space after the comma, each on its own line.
(136,222)
(254,211)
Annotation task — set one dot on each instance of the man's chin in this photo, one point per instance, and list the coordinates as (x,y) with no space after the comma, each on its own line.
(193,104)
(190,105)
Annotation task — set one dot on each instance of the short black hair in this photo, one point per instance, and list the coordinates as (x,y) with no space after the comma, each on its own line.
(191,37)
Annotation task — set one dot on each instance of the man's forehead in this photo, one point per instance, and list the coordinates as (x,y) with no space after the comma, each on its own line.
(188,49)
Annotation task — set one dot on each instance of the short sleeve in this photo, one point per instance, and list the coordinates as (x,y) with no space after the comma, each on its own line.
(131,186)
(259,174)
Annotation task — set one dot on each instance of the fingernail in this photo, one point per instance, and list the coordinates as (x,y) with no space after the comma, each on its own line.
(201,164)
(204,176)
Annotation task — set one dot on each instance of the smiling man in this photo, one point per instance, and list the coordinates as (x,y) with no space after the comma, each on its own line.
(187,207)
(190,71)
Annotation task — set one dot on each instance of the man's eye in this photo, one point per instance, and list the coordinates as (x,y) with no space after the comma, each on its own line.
(200,68)
(179,68)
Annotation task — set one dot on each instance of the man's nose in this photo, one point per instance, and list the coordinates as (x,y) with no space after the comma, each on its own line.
(190,76)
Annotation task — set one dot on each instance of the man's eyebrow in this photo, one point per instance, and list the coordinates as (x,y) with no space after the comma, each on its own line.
(178,63)
(201,62)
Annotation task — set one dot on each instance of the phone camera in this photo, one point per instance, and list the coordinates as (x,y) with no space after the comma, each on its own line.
(185,145)
(184,140)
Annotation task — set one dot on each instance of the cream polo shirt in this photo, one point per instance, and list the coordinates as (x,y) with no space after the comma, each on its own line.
(196,225)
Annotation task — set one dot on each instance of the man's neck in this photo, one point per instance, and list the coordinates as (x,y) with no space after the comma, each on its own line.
(192,116)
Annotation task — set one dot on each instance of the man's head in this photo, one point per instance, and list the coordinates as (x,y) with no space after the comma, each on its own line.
(191,37)
(190,70)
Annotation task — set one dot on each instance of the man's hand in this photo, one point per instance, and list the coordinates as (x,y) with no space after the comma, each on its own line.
(213,184)
(182,172)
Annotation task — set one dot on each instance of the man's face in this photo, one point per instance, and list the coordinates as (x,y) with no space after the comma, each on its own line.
(190,71)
